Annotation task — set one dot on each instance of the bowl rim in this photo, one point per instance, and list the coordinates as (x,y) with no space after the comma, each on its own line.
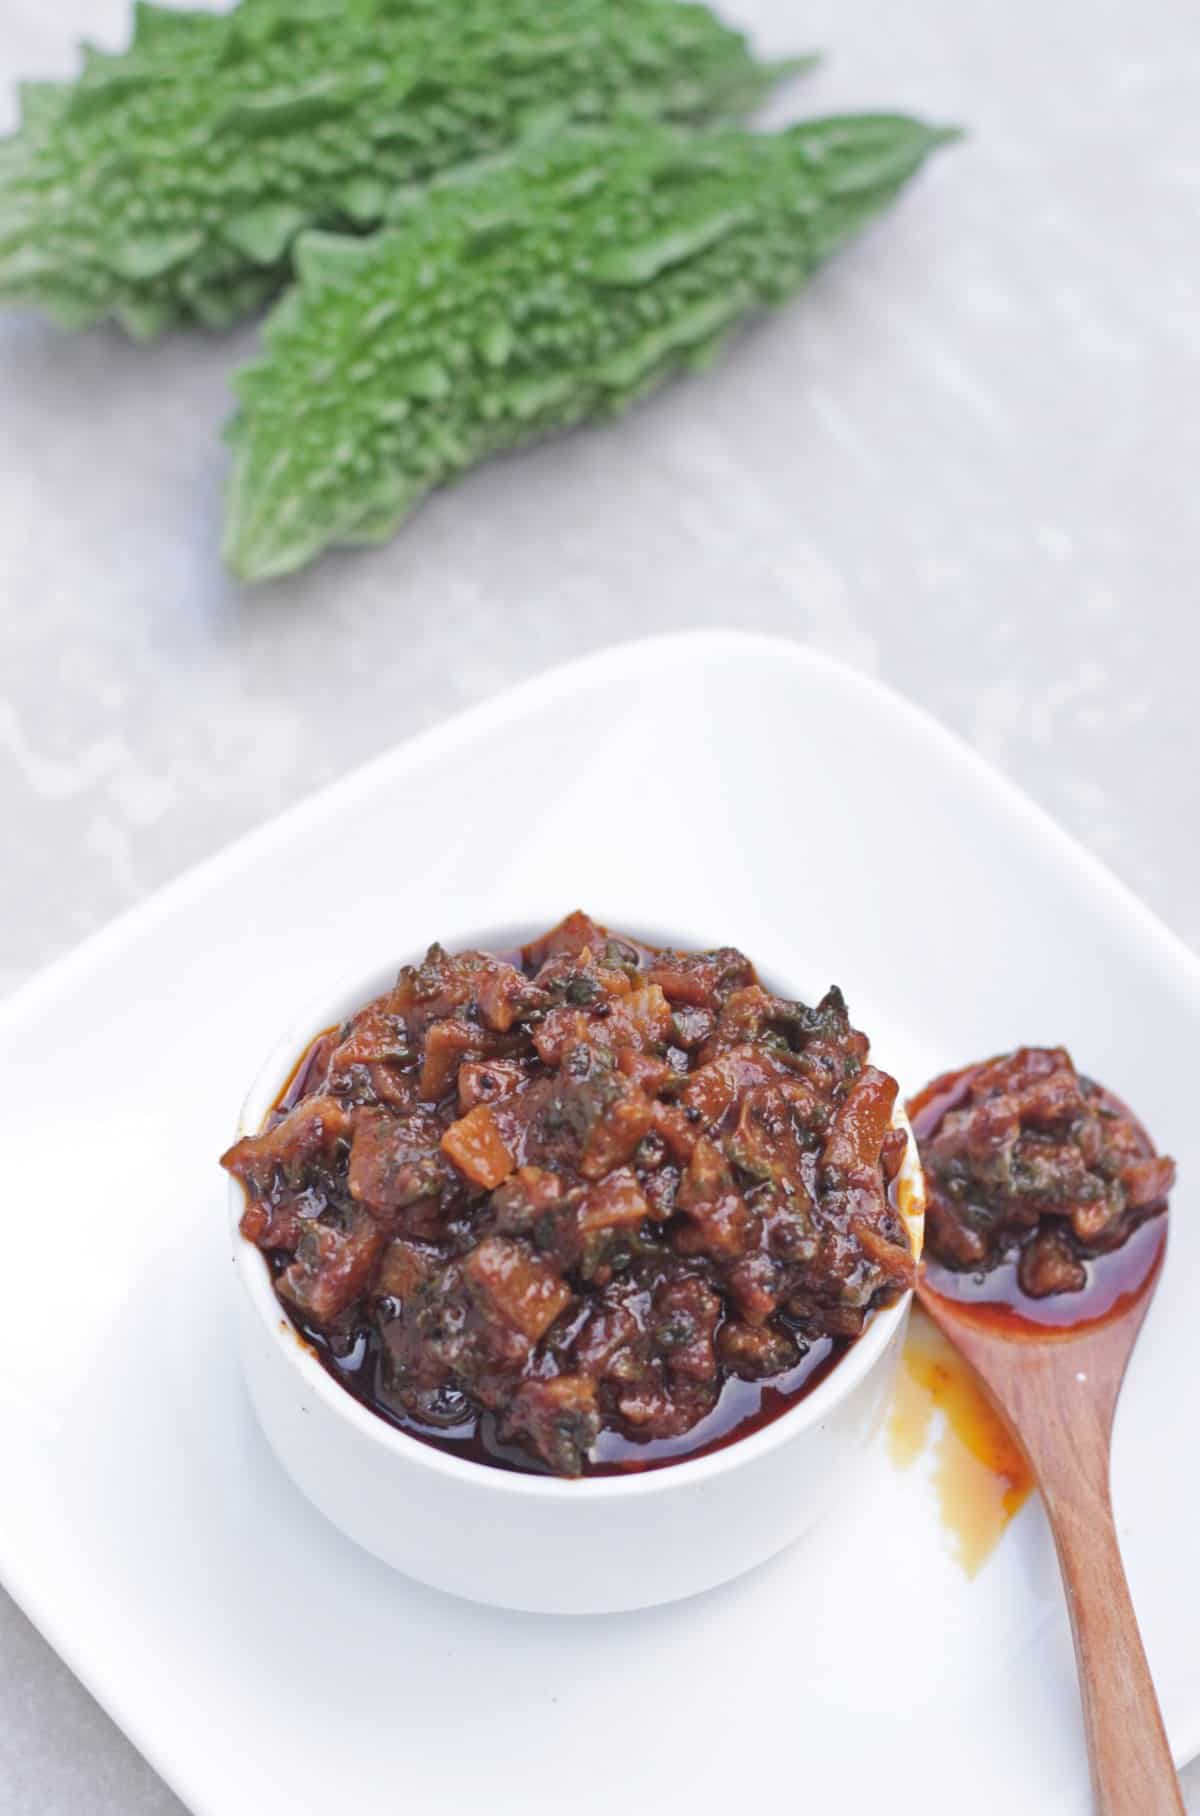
(355,990)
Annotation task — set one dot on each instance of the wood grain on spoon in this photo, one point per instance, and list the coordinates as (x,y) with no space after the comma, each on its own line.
(1057,1385)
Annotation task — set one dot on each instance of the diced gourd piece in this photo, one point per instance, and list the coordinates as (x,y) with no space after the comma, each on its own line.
(447,1044)
(860,1123)
(616,1201)
(511,1282)
(477,1148)
(615,1134)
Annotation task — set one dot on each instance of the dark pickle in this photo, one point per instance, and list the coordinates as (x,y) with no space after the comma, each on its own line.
(1045,1197)
(582,1209)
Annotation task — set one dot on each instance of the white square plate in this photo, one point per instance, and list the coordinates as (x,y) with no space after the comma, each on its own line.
(261,1662)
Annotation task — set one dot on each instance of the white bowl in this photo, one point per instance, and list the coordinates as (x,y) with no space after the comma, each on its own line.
(596,1545)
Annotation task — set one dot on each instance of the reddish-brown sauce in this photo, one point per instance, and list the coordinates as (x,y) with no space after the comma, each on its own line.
(743,1407)
(588,1207)
(1114,1281)
(1111,1278)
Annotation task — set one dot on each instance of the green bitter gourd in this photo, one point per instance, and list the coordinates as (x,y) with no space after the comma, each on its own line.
(563,283)
(168,182)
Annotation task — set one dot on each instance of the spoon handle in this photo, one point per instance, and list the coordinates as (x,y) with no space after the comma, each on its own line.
(1132,1770)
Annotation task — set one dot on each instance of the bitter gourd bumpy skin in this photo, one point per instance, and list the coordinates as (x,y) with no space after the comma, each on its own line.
(560,284)
(168,182)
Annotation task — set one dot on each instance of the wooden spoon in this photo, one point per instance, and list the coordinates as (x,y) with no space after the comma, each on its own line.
(1057,1387)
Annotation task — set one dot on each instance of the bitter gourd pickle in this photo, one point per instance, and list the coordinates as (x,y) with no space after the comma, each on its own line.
(561,284)
(169,181)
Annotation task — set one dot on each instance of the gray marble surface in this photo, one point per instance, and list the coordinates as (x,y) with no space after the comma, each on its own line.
(965,462)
